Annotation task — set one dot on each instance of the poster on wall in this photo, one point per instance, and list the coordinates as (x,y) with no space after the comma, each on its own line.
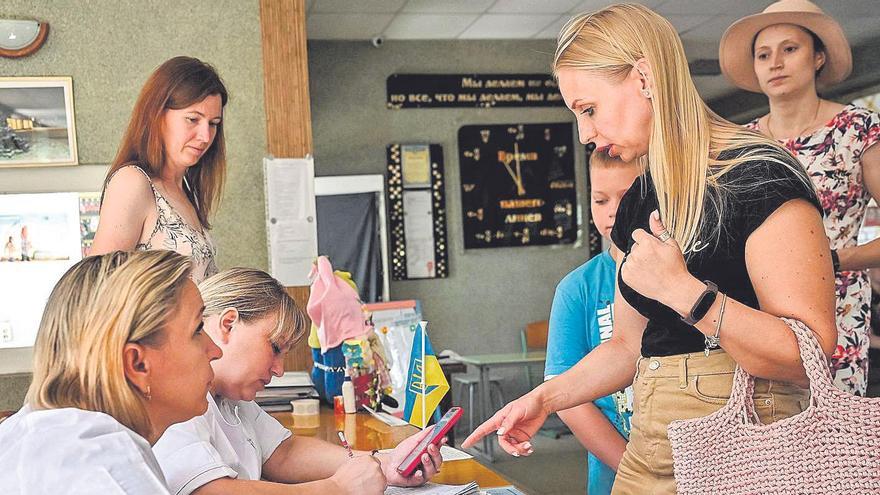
(36,122)
(417,211)
(41,239)
(89,212)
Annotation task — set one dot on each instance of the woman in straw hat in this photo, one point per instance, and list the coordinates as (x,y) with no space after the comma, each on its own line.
(788,52)
(704,266)
(120,356)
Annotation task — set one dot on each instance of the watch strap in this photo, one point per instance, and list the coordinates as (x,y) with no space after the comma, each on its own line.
(704,302)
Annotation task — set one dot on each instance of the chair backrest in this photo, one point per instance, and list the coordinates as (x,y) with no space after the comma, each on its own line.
(536,335)
(532,338)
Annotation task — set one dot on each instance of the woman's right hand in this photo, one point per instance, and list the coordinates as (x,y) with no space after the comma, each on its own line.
(515,424)
(359,476)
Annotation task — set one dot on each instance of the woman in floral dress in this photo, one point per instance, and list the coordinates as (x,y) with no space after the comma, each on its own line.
(788,52)
(168,174)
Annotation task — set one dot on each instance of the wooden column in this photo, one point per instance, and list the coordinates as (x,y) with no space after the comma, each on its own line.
(288,114)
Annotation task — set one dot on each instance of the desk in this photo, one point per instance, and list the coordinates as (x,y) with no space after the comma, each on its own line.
(483,363)
(365,432)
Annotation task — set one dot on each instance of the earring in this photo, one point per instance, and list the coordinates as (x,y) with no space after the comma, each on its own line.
(646,93)
(149,395)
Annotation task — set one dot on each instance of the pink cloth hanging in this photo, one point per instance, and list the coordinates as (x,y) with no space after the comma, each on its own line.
(334,307)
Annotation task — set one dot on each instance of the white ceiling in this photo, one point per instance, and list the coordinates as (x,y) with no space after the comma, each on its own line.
(696,20)
(699,22)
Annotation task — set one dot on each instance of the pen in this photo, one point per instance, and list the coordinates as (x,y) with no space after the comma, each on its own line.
(345,443)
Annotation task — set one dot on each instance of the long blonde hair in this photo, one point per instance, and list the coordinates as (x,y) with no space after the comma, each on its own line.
(99,305)
(255,295)
(687,137)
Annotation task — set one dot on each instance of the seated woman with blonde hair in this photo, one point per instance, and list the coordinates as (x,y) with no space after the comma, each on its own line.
(120,356)
(236,447)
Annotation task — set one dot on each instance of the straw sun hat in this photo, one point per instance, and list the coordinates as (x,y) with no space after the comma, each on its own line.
(735,52)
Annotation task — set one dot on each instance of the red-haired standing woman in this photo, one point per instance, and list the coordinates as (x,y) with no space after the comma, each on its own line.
(168,174)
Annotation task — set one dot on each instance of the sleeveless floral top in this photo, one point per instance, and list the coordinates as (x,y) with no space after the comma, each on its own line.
(832,156)
(171,232)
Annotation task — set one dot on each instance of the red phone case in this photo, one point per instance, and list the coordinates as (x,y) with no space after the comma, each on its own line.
(414,459)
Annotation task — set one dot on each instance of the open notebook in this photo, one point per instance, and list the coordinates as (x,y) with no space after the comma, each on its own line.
(435,489)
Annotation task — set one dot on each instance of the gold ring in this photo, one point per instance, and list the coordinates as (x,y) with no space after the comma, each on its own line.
(665,236)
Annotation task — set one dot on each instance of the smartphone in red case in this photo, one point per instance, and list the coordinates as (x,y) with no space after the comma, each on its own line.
(414,459)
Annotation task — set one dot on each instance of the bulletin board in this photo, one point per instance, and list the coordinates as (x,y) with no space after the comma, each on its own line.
(417,211)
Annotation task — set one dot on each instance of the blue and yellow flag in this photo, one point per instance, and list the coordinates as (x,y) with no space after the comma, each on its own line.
(425,385)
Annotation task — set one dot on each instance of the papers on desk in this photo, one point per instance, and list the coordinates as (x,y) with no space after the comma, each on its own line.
(283,389)
(386,418)
(501,490)
(291,379)
(434,489)
(450,454)
(447,453)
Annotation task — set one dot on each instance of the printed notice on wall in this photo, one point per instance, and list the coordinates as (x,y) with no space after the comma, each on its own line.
(290,218)
(418,223)
(416,165)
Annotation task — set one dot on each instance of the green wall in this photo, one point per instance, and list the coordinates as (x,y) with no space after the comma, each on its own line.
(491,293)
(109,48)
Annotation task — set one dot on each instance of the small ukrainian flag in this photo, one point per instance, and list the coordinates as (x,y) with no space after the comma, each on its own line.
(425,385)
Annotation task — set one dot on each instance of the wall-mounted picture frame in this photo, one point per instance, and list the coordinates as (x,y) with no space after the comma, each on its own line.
(417,211)
(37,125)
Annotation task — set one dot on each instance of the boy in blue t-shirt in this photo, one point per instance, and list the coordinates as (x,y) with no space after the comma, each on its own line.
(581,319)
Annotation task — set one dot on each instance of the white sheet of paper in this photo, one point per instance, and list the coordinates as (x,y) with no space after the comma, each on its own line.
(290,218)
(418,227)
(433,489)
(292,379)
(447,453)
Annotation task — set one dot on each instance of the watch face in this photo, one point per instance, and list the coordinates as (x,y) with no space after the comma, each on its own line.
(517,185)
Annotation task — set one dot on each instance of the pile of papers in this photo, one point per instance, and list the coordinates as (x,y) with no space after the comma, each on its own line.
(283,389)
(434,489)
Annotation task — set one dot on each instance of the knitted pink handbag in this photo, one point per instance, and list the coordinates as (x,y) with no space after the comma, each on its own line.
(833,447)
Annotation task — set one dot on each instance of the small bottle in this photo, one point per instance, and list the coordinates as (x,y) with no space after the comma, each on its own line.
(348,394)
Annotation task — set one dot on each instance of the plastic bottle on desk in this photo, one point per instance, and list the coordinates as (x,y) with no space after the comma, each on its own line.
(348,394)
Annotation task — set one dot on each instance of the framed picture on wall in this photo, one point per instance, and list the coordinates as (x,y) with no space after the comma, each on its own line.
(36,122)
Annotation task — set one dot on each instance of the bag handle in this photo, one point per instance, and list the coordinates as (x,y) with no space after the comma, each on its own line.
(815,364)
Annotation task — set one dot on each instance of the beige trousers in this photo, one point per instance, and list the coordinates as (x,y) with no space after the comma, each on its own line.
(685,386)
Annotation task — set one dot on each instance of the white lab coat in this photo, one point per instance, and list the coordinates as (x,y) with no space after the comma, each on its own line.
(73,451)
(232,439)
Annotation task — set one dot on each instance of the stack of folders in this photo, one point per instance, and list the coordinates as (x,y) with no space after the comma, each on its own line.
(434,489)
(283,389)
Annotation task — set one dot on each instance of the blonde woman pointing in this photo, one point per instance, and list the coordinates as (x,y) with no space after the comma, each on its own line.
(705,279)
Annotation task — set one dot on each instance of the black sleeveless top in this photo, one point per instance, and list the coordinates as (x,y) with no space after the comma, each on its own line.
(752,190)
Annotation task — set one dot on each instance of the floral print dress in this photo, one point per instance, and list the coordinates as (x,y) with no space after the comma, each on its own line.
(832,157)
(174,234)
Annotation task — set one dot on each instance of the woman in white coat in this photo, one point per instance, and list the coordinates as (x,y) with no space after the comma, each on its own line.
(236,447)
(120,356)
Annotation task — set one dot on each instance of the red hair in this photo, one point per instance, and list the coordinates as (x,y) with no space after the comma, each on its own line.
(176,84)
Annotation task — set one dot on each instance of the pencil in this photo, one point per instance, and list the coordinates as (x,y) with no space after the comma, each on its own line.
(345,444)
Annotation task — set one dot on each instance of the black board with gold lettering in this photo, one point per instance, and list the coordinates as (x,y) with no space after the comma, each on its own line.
(517,185)
(471,91)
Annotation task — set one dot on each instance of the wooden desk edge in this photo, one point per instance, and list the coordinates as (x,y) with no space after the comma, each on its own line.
(365,432)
